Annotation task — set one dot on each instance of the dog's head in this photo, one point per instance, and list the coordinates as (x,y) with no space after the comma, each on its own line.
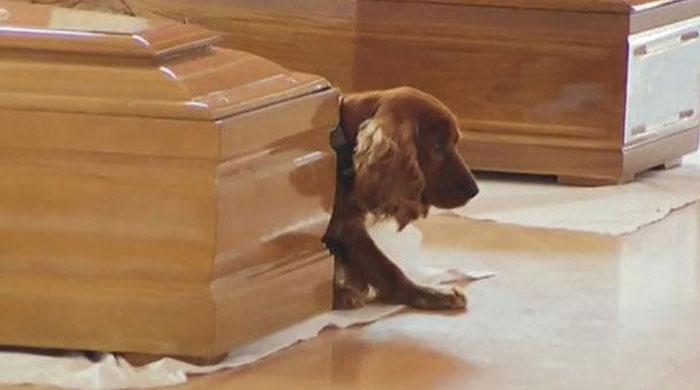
(406,158)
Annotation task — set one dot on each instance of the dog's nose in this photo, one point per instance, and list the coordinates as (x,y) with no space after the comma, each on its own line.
(474,191)
(471,189)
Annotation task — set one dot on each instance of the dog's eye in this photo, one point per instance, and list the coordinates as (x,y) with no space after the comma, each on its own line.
(439,146)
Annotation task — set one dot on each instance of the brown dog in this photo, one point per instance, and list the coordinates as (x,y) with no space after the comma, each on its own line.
(397,159)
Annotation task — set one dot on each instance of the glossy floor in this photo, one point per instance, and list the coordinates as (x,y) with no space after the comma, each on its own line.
(567,311)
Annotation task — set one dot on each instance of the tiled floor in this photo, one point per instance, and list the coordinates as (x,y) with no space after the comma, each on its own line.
(567,311)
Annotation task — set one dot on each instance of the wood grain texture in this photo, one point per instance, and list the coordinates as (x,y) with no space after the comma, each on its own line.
(74,30)
(314,36)
(282,160)
(107,215)
(535,79)
(255,304)
(605,6)
(215,83)
(130,224)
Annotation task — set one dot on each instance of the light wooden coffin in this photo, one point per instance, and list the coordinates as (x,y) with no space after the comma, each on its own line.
(157,194)
(590,91)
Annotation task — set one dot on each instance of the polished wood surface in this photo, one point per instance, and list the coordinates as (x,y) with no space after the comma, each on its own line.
(605,6)
(536,84)
(540,78)
(584,166)
(85,32)
(316,36)
(546,94)
(136,194)
(204,83)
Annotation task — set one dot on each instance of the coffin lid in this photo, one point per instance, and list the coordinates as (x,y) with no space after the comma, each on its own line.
(610,6)
(66,60)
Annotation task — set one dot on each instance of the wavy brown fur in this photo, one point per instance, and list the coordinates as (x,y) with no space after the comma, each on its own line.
(405,161)
(389,182)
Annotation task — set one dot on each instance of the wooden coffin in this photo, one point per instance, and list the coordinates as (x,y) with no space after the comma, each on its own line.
(159,194)
(589,91)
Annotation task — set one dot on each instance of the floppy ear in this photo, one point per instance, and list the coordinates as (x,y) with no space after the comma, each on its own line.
(389,182)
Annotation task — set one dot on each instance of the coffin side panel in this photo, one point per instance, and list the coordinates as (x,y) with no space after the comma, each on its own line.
(106,216)
(104,250)
(279,184)
(519,77)
(275,199)
(262,300)
(48,311)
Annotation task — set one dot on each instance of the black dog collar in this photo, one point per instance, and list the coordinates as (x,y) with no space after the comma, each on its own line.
(344,150)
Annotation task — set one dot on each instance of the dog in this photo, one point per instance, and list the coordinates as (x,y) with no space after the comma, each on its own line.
(397,157)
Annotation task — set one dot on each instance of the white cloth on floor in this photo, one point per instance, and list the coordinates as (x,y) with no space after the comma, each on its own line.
(538,202)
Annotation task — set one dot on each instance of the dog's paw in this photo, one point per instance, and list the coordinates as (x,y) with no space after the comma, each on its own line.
(426,298)
(345,298)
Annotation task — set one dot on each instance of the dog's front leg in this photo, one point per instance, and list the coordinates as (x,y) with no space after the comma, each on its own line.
(391,283)
(350,288)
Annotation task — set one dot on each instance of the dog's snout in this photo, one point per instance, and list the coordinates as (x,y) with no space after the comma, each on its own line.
(472,189)
(469,189)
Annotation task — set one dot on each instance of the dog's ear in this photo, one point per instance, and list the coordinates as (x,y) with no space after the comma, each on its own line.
(389,181)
